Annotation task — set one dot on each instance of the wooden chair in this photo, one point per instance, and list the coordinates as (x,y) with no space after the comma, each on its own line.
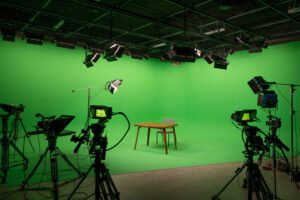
(168,131)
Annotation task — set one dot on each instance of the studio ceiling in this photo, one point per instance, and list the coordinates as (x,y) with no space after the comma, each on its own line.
(149,27)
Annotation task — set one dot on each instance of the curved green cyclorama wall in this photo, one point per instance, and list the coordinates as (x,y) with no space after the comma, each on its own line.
(200,98)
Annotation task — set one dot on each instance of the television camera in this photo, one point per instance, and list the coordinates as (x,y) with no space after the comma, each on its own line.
(11,109)
(52,128)
(104,185)
(254,145)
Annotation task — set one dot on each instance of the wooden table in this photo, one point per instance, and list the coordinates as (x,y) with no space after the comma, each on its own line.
(162,126)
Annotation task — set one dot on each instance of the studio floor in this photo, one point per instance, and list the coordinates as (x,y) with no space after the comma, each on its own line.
(186,183)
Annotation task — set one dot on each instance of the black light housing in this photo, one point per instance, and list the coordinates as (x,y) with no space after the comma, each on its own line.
(113,52)
(90,59)
(208,58)
(258,84)
(220,62)
(8,35)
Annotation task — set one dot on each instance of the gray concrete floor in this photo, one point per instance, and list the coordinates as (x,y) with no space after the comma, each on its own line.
(187,183)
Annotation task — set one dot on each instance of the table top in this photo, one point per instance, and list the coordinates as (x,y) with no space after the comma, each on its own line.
(155,125)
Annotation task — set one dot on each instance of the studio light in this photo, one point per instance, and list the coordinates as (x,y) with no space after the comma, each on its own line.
(183,54)
(113,86)
(34,38)
(180,51)
(220,62)
(255,49)
(208,58)
(258,84)
(135,56)
(8,35)
(114,51)
(198,52)
(90,59)
(266,98)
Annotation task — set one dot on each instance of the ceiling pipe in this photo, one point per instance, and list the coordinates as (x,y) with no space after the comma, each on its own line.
(84,22)
(144,18)
(279,12)
(36,14)
(214,18)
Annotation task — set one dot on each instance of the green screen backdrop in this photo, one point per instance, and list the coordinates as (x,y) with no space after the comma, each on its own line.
(200,98)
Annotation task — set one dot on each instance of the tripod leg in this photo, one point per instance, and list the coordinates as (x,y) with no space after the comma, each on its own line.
(20,153)
(250,183)
(67,160)
(54,174)
(34,169)
(113,191)
(238,171)
(4,158)
(26,134)
(80,182)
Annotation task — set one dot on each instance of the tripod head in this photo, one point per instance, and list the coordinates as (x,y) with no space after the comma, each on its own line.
(98,140)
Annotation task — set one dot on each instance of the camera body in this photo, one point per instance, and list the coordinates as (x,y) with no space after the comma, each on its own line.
(275,123)
(11,109)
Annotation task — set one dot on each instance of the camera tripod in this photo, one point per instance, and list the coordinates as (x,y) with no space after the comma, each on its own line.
(256,182)
(6,142)
(54,152)
(104,186)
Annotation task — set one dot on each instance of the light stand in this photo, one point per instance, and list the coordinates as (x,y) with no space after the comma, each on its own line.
(294,171)
(112,86)
(89,100)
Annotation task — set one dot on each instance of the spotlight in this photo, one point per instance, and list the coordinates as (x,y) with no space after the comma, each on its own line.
(65,45)
(180,51)
(90,58)
(255,49)
(8,35)
(267,99)
(34,38)
(208,59)
(258,84)
(113,86)
(220,62)
(198,52)
(115,50)
(135,56)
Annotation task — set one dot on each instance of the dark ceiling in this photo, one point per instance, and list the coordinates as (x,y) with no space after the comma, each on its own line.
(149,27)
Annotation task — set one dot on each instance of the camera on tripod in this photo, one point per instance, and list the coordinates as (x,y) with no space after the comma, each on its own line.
(11,109)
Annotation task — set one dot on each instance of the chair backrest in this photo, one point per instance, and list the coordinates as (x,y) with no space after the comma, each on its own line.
(169,121)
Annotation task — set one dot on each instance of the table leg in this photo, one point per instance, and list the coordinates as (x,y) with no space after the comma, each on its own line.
(148,137)
(166,146)
(137,135)
(175,138)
